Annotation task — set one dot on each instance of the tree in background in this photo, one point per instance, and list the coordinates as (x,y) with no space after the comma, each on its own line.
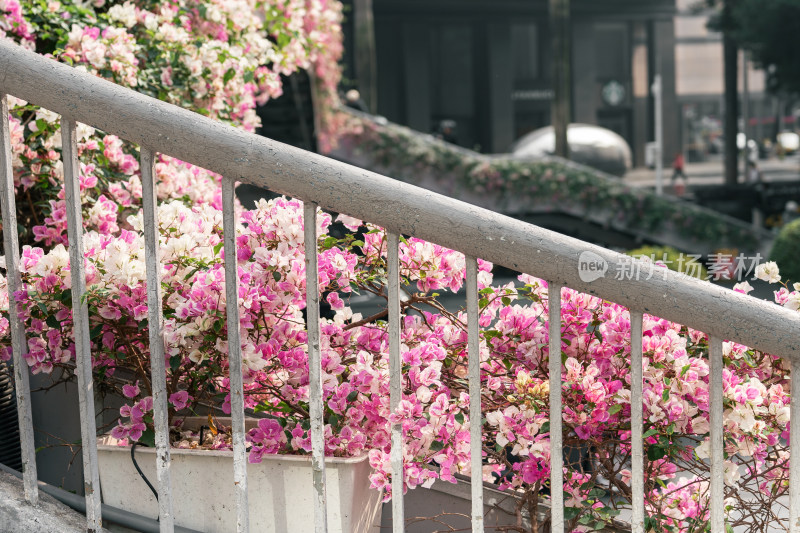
(767,30)
(725,22)
(562,96)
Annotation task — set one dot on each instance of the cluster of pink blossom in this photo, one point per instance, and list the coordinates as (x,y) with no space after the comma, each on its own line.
(218,58)
(434,408)
(14,24)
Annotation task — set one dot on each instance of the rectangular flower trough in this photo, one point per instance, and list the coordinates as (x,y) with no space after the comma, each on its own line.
(280,490)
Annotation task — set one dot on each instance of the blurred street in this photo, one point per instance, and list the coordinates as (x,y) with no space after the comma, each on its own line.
(711,172)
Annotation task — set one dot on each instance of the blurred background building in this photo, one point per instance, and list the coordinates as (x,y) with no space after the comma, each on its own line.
(486,66)
(700,88)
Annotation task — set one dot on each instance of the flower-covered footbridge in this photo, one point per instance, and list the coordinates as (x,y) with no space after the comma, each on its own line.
(644,346)
(541,189)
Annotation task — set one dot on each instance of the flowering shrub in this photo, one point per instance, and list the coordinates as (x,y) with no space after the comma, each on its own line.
(197,54)
(218,58)
(434,410)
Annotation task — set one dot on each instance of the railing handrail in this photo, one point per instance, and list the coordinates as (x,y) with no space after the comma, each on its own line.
(397,206)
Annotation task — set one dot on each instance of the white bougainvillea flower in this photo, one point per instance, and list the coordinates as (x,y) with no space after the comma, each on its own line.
(768,272)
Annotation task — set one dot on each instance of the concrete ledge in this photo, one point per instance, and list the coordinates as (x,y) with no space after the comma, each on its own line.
(50,515)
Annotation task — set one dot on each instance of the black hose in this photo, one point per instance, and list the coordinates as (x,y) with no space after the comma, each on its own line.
(10,449)
(136,465)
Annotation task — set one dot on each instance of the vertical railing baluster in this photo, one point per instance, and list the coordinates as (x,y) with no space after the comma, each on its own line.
(315,392)
(19,343)
(395,379)
(637,451)
(716,485)
(80,323)
(155,321)
(794,451)
(556,444)
(235,356)
(475,416)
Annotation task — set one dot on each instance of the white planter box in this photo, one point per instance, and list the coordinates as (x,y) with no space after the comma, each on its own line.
(280,490)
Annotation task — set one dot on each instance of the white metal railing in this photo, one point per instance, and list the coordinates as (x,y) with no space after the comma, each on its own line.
(401,209)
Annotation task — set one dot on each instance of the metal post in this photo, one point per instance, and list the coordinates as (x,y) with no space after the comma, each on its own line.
(562,94)
(659,125)
(475,419)
(395,378)
(716,422)
(315,392)
(745,113)
(637,450)
(155,326)
(556,440)
(235,356)
(794,451)
(19,343)
(80,324)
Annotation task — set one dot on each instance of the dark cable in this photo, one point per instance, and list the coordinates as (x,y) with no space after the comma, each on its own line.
(136,465)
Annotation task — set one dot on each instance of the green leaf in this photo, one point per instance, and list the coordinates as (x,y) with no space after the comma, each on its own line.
(459,418)
(66,297)
(96,331)
(229,74)
(665,395)
(53,322)
(571,512)
(656,452)
(545,428)
(649,433)
(191,273)
(175,362)
(282,407)
(597,493)
(148,438)
(614,409)
(218,247)
(437,445)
